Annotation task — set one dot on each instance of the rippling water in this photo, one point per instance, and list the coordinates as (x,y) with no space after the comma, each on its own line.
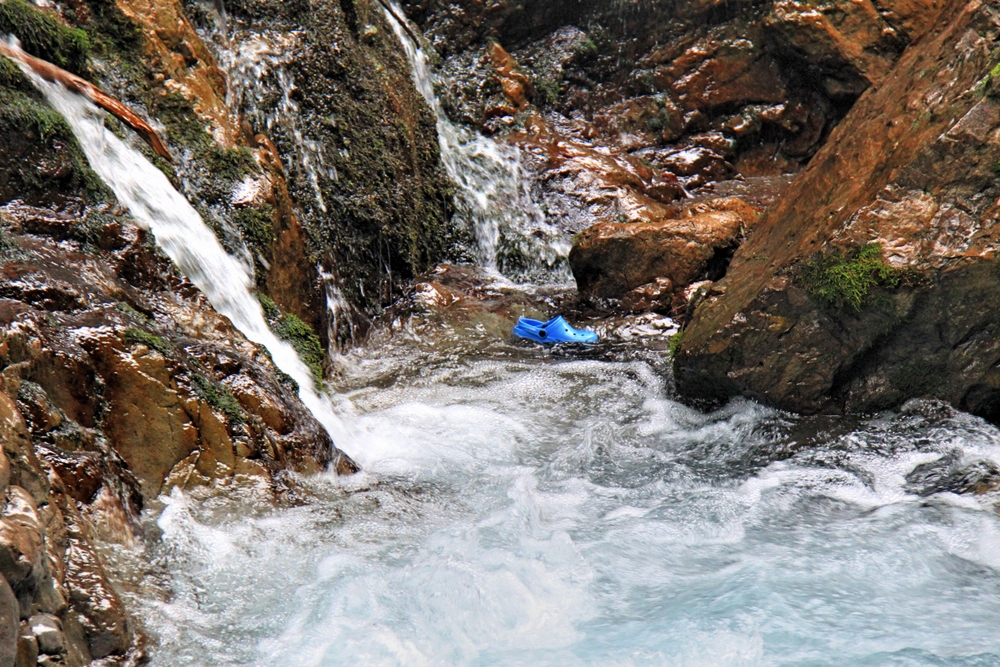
(521,508)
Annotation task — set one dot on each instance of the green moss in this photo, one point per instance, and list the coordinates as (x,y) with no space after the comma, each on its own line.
(844,280)
(36,135)
(42,35)
(675,344)
(546,92)
(131,312)
(271,311)
(12,77)
(219,397)
(584,50)
(110,30)
(140,337)
(182,124)
(229,164)
(305,341)
(256,225)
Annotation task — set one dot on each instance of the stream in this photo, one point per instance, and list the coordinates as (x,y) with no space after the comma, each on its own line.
(524,507)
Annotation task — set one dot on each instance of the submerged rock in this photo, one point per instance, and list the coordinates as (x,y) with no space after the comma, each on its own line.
(872,280)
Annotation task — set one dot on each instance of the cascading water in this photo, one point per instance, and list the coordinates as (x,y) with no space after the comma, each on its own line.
(183,236)
(492,198)
(521,507)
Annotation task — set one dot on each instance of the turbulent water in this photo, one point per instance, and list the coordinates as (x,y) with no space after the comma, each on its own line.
(520,508)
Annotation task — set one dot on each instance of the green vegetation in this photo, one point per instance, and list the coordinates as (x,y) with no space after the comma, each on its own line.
(289,327)
(140,337)
(31,129)
(546,92)
(219,397)
(229,164)
(584,50)
(847,279)
(675,343)
(271,311)
(305,341)
(256,226)
(42,35)
(131,312)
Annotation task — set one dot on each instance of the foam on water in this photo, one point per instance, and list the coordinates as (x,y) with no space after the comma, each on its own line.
(569,513)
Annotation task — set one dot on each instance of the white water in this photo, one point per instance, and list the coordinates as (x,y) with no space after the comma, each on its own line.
(183,236)
(533,511)
(493,198)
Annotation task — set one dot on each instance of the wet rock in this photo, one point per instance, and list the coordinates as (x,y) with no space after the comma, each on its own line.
(610,259)
(654,296)
(902,201)
(27,650)
(10,624)
(48,633)
(22,544)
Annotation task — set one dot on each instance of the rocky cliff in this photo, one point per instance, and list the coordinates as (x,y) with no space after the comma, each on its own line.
(872,280)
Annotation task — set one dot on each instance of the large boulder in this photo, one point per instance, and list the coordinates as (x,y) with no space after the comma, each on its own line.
(610,259)
(873,280)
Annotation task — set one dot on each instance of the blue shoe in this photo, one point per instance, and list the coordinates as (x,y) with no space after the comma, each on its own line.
(556,330)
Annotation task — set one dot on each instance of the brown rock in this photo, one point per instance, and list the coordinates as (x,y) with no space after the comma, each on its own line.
(255,400)
(657,295)
(908,172)
(515,83)
(147,423)
(99,609)
(22,542)
(176,50)
(9,626)
(611,259)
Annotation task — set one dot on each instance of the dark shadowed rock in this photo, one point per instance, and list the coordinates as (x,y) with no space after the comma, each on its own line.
(10,624)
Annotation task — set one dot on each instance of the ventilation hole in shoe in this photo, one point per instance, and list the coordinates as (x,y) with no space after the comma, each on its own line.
(542,333)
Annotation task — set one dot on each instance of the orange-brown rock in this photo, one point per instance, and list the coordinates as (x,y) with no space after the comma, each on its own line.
(515,83)
(178,54)
(611,259)
(908,178)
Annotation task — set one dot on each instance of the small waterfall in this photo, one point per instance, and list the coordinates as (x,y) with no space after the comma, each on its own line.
(251,63)
(183,236)
(493,198)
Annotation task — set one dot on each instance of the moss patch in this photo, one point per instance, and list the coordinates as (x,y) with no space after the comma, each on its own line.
(219,397)
(140,337)
(39,155)
(42,35)
(847,280)
(305,341)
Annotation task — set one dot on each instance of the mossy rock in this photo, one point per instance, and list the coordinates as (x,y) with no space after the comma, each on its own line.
(44,36)
(134,336)
(848,279)
(219,397)
(40,159)
(305,341)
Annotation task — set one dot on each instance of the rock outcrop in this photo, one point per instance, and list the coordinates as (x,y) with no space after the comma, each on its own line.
(611,259)
(872,280)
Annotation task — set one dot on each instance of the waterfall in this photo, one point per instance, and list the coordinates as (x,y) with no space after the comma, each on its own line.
(183,236)
(492,196)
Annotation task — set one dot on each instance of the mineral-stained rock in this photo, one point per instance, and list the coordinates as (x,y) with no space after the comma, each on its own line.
(874,279)
(657,295)
(9,625)
(22,542)
(611,259)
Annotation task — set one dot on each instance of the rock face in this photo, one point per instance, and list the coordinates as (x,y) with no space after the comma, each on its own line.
(611,259)
(872,281)
(631,108)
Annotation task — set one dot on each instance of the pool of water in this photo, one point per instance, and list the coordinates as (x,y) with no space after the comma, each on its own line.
(523,508)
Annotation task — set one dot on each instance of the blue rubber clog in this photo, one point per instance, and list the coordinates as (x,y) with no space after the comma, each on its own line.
(556,330)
